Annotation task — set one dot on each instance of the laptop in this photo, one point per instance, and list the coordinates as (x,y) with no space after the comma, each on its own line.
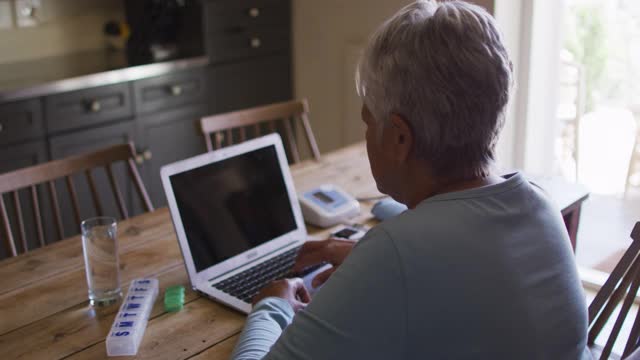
(237,219)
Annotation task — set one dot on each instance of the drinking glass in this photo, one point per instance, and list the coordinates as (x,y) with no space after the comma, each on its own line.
(100,248)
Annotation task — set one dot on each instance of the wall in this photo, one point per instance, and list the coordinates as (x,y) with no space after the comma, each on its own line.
(533,36)
(509,15)
(328,37)
(67,26)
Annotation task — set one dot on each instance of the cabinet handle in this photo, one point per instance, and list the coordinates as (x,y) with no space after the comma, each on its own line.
(95,106)
(176,90)
(1,127)
(254,12)
(147,155)
(139,159)
(255,43)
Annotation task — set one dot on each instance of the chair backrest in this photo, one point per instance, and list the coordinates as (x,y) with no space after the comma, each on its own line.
(272,117)
(46,174)
(623,283)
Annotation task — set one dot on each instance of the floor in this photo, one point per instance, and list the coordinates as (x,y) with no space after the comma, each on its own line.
(605,225)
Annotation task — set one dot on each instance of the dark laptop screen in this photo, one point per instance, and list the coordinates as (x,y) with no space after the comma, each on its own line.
(233,205)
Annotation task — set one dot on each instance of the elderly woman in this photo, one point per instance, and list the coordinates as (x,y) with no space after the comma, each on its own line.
(480,265)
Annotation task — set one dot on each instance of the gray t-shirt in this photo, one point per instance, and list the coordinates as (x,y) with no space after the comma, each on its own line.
(486,273)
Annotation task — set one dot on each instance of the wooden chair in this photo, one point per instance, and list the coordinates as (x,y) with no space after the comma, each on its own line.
(46,174)
(275,116)
(623,283)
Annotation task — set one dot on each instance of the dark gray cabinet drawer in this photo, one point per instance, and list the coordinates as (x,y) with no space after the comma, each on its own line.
(86,108)
(20,121)
(253,82)
(23,155)
(228,15)
(248,43)
(169,91)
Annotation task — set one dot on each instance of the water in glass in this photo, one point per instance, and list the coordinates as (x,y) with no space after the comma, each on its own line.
(100,247)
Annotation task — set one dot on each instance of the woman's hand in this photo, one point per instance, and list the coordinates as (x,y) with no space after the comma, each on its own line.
(332,251)
(291,290)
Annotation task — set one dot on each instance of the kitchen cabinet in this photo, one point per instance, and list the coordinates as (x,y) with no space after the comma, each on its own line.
(164,138)
(248,44)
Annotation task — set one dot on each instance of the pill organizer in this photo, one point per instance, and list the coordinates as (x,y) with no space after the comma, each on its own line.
(131,321)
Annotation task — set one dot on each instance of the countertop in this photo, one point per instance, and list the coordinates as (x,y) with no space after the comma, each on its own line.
(78,71)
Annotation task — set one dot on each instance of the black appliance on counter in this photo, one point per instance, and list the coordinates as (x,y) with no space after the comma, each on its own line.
(164,30)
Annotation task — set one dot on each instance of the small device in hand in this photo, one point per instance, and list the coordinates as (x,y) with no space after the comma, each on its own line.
(328,205)
(351,232)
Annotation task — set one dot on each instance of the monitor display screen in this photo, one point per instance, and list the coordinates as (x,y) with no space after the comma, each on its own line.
(233,205)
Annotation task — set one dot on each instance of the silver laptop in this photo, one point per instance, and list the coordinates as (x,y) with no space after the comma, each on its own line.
(237,218)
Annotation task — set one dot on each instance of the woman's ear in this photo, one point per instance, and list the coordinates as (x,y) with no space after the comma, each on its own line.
(402,137)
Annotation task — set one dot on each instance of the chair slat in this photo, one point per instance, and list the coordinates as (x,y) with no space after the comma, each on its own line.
(634,334)
(311,140)
(229,139)
(207,139)
(23,234)
(10,243)
(117,193)
(617,273)
(291,141)
(624,310)
(94,193)
(55,206)
(142,192)
(243,134)
(634,337)
(219,138)
(613,301)
(272,126)
(74,201)
(37,214)
(257,131)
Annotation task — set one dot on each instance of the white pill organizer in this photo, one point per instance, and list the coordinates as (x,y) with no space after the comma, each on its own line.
(328,205)
(131,321)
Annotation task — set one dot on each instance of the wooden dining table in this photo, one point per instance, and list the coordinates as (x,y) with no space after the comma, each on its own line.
(44,309)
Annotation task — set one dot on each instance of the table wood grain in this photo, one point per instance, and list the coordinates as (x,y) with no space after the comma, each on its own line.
(44,310)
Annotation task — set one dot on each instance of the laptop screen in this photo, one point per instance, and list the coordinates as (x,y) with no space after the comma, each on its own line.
(233,205)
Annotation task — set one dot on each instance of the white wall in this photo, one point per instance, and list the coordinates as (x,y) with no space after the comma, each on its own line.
(541,122)
(533,37)
(508,14)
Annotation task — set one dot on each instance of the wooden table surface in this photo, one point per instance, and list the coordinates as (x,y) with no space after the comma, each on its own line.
(45,314)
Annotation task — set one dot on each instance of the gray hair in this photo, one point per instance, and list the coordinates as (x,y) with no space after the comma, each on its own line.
(441,66)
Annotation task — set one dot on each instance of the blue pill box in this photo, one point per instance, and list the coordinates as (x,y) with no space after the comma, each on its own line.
(131,321)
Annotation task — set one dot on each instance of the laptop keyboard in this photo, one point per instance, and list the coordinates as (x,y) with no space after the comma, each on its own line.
(246,284)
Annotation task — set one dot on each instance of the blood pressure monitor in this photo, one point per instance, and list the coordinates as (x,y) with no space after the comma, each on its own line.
(328,205)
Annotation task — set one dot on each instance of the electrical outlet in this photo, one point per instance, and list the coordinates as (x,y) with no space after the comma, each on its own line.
(6,20)
(27,12)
